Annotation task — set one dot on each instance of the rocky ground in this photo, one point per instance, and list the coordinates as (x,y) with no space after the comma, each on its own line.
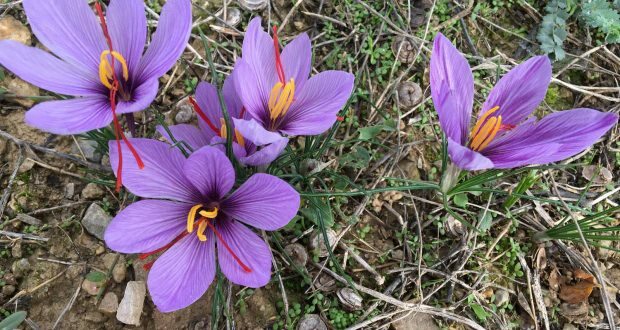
(393,251)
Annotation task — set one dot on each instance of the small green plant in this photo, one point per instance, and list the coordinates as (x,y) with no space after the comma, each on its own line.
(552,32)
(600,14)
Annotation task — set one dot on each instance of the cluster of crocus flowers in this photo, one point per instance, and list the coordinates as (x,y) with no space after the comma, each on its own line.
(212,129)
(191,212)
(505,134)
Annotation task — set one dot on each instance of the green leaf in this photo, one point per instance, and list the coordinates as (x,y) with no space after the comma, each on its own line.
(485,221)
(460,200)
(481,314)
(96,277)
(368,133)
(13,321)
(318,212)
(358,158)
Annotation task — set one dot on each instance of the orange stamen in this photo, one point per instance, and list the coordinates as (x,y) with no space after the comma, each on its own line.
(115,85)
(480,121)
(203,115)
(491,136)
(276,46)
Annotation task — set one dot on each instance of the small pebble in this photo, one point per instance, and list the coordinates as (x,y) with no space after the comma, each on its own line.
(20,267)
(8,290)
(130,308)
(92,191)
(91,288)
(109,303)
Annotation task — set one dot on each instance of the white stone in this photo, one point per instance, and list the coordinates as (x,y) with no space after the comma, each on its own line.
(130,308)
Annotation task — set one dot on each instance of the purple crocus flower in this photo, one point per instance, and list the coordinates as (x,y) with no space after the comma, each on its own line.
(248,148)
(83,63)
(188,211)
(276,91)
(505,134)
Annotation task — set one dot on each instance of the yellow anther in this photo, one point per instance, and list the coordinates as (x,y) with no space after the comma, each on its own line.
(484,132)
(209,214)
(191,216)
(492,134)
(281,98)
(201,231)
(481,121)
(105,68)
(223,132)
(239,138)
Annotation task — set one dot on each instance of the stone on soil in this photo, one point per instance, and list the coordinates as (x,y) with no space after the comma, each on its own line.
(89,149)
(92,191)
(109,303)
(20,267)
(92,288)
(130,308)
(96,220)
(12,29)
(120,270)
(419,321)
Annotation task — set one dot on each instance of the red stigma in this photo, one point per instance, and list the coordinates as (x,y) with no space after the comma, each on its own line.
(506,127)
(118,132)
(276,46)
(203,115)
(221,240)
(340,118)
(148,265)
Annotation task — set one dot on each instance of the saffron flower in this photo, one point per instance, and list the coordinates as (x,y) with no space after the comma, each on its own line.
(212,128)
(506,135)
(188,211)
(275,89)
(86,66)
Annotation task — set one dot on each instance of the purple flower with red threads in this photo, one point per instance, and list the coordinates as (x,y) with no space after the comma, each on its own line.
(253,150)
(103,65)
(277,92)
(190,212)
(505,134)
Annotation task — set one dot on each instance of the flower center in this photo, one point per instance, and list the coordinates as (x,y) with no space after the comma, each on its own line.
(106,72)
(206,217)
(281,98)
(485,130)
(107,75)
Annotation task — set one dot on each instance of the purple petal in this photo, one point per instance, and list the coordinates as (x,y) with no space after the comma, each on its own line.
(46,71)
(555,137)
(69,29)
(452,89)
(183,273)
(189,134)
(72,116)
(127,25)
(209,103)
(142,97)
(263,201)
(258,51)
(520,91)
(466,158)
(233,102)
(272,143)
(146,226)
(253,93)
(297,60)
(210,172)
(220,144)
(314,110)
(249,248)
(168,42)
(162,175)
